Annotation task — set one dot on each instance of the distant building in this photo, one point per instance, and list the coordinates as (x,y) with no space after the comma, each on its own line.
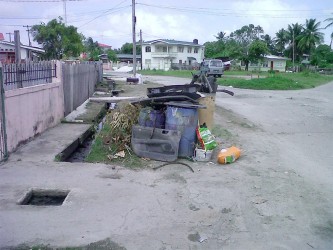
(270,62)
(104,47)
(165,54)
(28,53)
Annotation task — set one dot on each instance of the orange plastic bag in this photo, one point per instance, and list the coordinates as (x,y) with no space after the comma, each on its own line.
(228,155)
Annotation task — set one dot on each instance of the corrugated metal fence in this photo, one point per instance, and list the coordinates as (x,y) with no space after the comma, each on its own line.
(79,80)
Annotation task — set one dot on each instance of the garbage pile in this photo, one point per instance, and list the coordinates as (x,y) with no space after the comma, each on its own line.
(174,122)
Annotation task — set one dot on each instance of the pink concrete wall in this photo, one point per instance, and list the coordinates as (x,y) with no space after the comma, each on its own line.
(32,110)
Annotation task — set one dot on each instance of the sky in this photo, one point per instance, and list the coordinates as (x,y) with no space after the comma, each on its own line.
(110,21)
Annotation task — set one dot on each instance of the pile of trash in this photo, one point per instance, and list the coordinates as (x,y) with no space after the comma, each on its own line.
(172,123)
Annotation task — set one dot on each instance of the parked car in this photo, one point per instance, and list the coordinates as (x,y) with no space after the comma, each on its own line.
(212,67)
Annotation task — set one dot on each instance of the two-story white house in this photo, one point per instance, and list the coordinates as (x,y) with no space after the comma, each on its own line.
(163,53)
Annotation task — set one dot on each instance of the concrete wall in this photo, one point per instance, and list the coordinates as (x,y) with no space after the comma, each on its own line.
(32,110)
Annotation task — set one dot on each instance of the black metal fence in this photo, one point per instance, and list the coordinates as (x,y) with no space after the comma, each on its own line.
(28,74)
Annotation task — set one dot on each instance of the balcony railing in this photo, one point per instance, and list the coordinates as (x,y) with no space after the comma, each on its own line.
(164,54)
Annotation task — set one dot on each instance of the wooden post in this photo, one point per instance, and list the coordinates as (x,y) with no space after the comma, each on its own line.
(18,58)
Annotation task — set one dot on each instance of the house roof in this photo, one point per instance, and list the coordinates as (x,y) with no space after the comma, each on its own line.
(276,57)
(102,45)
(36,49)
(130,56)
(171,42)
(2,37)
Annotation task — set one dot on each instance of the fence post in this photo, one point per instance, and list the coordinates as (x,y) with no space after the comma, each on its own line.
(3,131)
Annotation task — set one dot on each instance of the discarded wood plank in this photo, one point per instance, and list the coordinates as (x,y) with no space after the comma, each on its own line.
(113,99)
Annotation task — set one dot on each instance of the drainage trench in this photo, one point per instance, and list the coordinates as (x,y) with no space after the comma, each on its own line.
(79,149)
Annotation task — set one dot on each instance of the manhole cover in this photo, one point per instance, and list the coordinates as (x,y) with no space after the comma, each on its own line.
(44,197)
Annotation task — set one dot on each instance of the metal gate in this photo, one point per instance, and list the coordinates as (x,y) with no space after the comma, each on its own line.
(3,134)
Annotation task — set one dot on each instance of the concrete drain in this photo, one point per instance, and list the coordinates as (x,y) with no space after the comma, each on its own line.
(44,197)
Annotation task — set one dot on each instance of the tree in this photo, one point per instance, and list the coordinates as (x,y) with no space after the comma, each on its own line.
(112,56)
(311,36)
(294,32)
(214,49)
(220,35)
(92,49)
(322,56)
(281,40)
(270,43)
(127,48)
(58,40)
(330,20)
(257,50)
(244,37)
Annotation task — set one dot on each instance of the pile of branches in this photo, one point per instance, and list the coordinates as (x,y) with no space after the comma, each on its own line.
(121,121)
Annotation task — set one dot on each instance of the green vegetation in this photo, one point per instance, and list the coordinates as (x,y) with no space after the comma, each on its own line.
(113,143)
(103,151)
(58,40)
(178,73)
(269,81)
(280,81)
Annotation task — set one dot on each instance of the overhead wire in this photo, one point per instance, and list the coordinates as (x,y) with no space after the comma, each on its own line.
(228,12)
(105,13)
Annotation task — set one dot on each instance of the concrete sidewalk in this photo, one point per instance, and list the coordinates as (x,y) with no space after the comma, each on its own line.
(48,145)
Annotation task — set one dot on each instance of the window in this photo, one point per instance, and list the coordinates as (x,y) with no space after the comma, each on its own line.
(196,50)
(189,50)
(165,49)
(180,49)
(148,49)
(265,64)
(180,61)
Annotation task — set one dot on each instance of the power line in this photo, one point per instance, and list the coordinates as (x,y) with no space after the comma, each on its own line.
(229,12)
(105,13)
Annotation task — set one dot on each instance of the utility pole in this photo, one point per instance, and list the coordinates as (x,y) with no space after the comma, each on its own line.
(133,34)
(141,46)
(293,51)
(65,12)
(10,36)
(28,30)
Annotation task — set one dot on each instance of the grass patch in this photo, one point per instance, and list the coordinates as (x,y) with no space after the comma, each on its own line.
(281,81)
(220,132)
(177,73)
(101,151)
(277,81)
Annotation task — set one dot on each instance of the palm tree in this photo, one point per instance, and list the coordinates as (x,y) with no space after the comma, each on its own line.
(294,32)
(311,36)
(280,40)
(329,20)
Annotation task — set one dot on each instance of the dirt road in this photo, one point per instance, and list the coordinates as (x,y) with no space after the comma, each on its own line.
(287,139)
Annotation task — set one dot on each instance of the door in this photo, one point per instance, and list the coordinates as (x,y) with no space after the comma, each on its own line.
(272,65)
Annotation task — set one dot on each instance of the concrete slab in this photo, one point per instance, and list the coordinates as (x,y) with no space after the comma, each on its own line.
(45,147)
